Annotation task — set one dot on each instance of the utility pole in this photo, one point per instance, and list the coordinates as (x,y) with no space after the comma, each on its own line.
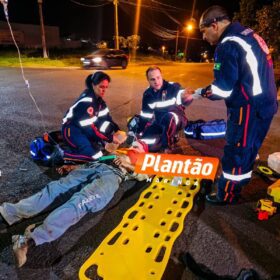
(189,28)
(136,25)
(186,47)
(44,46)
(115,2)
(177,39)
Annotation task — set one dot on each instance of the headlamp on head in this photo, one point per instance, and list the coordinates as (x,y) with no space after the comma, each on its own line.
(209,21)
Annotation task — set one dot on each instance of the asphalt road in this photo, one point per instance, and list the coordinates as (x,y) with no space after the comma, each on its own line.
(222,240)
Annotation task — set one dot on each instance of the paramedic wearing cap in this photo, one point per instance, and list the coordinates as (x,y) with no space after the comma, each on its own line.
(162,114)
(243,77)
(87,125)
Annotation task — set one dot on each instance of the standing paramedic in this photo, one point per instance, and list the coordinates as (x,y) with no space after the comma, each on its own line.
(162,114)
(87,125)
(243,77)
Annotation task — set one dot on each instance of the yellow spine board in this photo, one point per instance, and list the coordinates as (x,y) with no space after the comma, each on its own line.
(140,246)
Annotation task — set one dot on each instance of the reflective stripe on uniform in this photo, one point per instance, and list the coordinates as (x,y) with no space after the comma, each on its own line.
(87,122)
(70,112)
(146,115)
(163,104)
(237,177)
(175,117)
(103,112)
(104,126)
(220,92)
(149,141)
(179,97)
(251,61)
(97,155)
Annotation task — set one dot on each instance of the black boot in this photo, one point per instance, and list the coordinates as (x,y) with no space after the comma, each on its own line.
(214,200)
(3,224)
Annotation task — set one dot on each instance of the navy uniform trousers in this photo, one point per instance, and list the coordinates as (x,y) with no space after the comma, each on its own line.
(246,131)
(161,134)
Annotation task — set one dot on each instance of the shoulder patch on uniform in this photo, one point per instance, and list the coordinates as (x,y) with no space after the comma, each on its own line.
(261,43)
(217,66)
(90,111)
(246,31)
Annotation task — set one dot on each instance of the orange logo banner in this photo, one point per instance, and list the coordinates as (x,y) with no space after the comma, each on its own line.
(177,165)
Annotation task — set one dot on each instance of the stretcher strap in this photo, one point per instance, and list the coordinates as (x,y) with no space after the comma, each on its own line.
(140,246)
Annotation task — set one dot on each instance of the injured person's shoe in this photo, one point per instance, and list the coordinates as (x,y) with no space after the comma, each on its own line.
(21,244)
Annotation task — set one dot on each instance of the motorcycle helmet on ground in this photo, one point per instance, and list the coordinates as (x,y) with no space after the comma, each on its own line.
(45,153)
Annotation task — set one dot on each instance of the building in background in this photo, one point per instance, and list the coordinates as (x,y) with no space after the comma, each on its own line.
(29,36)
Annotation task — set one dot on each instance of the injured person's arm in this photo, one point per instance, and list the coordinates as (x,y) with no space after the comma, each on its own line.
(123,161)
(125,164)
(65,169)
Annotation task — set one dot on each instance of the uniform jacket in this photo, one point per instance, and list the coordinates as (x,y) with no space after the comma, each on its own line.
(90,113)
(243,71)
(157,103)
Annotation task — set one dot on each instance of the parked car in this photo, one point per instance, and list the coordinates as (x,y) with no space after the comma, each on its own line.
(105,58)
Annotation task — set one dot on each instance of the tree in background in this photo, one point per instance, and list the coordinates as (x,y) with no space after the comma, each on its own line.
(133,41)
(264,20)
(268,19)
(101,45)
(123,42)
(133,44)
(247,13)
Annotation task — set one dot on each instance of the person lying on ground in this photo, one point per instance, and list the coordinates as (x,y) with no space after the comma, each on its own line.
(93,184)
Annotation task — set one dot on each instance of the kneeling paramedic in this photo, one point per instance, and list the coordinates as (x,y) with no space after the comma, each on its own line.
(162,115)
(87,125)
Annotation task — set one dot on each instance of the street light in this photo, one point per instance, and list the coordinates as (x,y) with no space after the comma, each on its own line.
(163,50)
(189,27)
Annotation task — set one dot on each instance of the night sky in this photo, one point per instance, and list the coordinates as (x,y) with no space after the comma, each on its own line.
(98,23)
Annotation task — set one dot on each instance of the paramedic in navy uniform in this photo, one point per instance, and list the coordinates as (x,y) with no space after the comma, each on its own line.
(87,123)
(162,114)
(243,77)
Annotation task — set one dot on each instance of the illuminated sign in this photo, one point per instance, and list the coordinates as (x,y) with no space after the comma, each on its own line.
(177,165)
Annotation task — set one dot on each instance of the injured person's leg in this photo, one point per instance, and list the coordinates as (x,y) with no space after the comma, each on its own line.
(94,196)
(35,204)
